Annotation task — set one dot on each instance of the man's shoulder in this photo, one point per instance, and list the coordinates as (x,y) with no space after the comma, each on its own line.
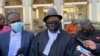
(42,32)
(46,32)
(28,34)
(96,31)
(5,33)
(64,32)
(25,31)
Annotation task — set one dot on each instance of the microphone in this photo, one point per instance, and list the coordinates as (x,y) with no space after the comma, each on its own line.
(80,40)
(84,38)
(20,51)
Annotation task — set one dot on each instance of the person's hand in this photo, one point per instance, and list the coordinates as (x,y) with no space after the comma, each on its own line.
(90,44)
(82,55)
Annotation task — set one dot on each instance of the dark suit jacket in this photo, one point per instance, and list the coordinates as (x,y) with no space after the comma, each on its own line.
(98,48)
(26,40)
(62,46)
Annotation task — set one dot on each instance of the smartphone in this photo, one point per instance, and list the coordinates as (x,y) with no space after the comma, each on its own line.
(83,50)
(80,40)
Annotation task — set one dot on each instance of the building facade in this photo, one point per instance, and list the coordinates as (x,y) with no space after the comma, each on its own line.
(33,11)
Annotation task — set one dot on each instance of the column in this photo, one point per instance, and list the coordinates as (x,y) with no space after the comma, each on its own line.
(93,10)
(2,7)
(39,13)
(27,14)
(98,10)
(39,19)
(89,9)
(59,6)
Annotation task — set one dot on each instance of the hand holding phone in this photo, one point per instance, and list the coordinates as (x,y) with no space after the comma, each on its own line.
(83,50)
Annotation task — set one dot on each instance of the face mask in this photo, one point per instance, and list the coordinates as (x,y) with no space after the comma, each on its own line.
(88,32)
(16,26)
(53,26)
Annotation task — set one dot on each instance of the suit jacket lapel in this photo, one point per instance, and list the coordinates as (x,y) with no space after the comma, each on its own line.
(43,40)
(7,40)
(56,45)
(23,38)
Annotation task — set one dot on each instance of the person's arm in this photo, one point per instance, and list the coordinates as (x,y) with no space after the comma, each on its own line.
(92,45)
(72,48)
(97,50)
(34,47)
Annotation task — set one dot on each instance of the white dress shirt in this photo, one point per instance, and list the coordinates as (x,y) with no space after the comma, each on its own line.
(15,43)
(52,38)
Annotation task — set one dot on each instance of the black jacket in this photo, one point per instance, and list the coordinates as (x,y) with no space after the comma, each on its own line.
(62,46)
(94,36)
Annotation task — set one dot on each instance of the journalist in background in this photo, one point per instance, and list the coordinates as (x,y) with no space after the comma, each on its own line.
(3,27)
(87,32)
(17,41)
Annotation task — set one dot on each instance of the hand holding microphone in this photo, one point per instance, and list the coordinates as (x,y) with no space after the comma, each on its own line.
(20,51)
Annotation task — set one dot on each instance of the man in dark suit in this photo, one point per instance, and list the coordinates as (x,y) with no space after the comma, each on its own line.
(53,41)
(17,41)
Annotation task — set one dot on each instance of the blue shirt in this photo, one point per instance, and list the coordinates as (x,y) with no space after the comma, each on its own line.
(15,43)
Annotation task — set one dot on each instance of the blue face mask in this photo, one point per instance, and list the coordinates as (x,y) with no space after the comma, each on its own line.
(16,26)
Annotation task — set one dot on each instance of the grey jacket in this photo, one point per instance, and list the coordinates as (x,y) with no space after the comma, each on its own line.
(26,41)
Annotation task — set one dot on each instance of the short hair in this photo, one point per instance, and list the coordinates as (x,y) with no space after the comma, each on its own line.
(12,13)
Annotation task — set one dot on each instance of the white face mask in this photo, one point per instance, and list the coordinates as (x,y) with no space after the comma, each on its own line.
(17,26)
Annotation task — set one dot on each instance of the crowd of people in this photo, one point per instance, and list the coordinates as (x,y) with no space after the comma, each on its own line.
(53,41)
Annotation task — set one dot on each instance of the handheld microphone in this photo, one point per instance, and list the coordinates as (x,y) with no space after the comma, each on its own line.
(20,51)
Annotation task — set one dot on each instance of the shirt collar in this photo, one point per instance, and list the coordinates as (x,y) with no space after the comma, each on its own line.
(17,33)
(53,33)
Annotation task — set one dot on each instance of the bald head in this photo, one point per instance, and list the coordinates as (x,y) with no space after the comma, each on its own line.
(13,17)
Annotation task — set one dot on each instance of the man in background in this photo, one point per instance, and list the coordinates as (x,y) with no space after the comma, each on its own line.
(87,32)
(3,27)
(72,27)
